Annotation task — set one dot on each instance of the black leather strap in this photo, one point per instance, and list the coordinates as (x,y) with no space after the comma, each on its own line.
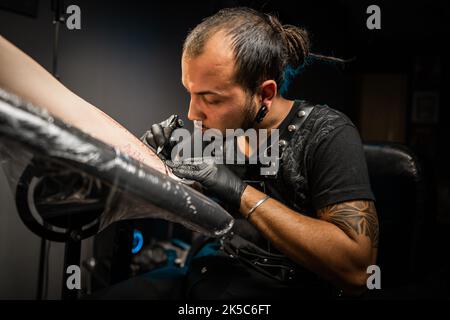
(297,122)
(301,114)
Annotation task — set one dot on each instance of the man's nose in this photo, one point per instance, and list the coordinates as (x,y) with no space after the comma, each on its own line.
(195,112)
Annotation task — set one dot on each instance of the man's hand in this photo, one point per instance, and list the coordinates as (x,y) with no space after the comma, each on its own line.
(216,178)
(158,137)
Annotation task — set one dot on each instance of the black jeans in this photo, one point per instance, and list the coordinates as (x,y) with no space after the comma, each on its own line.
(161,284)
(217,277)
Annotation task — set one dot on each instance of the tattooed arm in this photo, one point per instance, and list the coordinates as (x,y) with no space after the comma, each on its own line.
(339,246)
(22,76)
(355,218)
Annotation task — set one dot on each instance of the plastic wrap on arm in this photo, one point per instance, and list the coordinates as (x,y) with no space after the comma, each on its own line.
(73,166)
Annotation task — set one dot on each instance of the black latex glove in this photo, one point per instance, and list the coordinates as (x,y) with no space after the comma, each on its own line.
(216,178)
(158,137)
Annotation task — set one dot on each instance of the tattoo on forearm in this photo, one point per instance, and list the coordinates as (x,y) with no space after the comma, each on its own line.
(353,217)
(128,149)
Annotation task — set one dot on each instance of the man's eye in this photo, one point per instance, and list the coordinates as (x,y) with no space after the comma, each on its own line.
(212,101)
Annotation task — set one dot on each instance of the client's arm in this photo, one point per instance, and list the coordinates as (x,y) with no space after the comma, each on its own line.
(21,75)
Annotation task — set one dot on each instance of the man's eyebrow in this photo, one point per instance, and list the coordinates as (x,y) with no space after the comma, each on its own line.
(205,92)
(202,93)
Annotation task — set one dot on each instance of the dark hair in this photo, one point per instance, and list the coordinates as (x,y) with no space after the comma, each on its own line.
(263,47)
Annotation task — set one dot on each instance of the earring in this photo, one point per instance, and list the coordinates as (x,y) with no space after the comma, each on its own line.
(261,114)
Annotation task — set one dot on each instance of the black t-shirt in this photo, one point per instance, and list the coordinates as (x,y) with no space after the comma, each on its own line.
(322,164)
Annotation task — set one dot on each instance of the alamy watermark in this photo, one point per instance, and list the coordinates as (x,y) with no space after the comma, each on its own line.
(72,17)
(223,149)
(374,20)
(73,280)
(374,280)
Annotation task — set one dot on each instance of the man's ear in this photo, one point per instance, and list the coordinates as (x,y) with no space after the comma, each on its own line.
(268,92)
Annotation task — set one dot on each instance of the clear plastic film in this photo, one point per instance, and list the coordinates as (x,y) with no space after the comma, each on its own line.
(64,179)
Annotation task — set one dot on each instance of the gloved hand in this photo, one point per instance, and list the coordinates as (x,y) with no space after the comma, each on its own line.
(216,178)
(158,137)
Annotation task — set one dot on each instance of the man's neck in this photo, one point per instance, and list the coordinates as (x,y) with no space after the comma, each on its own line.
(278,112)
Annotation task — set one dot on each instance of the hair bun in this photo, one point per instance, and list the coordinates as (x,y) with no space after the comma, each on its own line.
(297,44)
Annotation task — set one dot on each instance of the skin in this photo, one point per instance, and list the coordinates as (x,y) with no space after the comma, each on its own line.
(341,241)
(24,77)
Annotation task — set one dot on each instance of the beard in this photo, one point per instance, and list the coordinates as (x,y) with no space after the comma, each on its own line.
(248,113)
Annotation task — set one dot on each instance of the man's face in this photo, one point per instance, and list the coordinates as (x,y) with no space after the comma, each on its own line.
(216,99)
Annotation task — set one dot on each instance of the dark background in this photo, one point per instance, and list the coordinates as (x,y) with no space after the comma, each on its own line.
(126,61)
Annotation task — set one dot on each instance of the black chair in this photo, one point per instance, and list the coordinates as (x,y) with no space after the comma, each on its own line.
(399,186)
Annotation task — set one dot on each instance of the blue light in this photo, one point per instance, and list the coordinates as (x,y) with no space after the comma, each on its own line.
(138,241)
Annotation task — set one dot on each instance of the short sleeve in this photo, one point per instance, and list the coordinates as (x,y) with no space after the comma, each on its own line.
(338,169)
